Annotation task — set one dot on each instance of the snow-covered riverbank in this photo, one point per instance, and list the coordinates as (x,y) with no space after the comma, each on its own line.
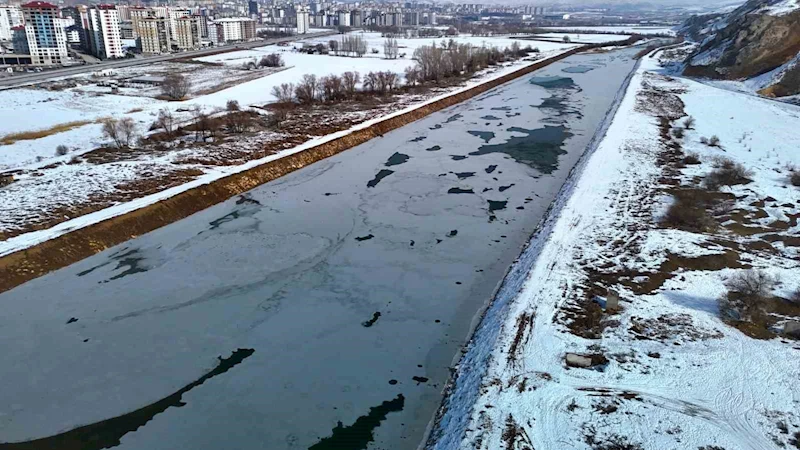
(667,372)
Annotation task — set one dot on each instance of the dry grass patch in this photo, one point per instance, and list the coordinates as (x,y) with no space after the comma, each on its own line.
(38,134)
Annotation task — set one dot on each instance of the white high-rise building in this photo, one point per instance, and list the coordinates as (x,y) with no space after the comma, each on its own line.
(10,17)
(235,29)
(303,23)
(174,14)
(105,41)
(44,29)
(344,18)
(154,36)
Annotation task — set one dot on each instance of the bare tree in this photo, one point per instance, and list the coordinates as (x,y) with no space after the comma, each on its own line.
(350,81)
(331,88)
(110,131)
(284,93)
(175,86)
(412,75)
(390,48)
(371,82)
(166,121)
(334,46)
(202,123)
(306,90)
(387,82)
(122,132)
(127,131)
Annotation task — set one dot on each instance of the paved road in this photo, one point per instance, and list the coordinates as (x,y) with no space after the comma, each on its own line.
(28,78)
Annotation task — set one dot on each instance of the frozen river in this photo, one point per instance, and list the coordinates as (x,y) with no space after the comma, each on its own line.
(322,310)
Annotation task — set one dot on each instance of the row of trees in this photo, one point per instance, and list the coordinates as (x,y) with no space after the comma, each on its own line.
(349,45)
(332,88)
(451,59)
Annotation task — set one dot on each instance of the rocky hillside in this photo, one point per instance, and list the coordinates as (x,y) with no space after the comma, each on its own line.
(758,42)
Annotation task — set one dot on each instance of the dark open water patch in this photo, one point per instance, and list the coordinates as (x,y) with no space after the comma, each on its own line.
(457,190)
(379,176)
(491,168)
(419,379)
(436,127)
(116,256)
(375,316)
(490,117)
(464,175)
(485,135)
(132,262)
(502,108)
(505,188)
(358,435)
(578,69)
(397,159)
(496,205)
(365,238)
(458,157)
(419,138)
(435,148)
(453,118)
(540,148)
(109,432)
(553,82)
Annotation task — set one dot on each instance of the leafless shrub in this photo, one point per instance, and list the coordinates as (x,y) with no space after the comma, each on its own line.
(284,92)
(748,293)
(121,131)
(689,122)
(794,178)
(203,125)
(688,213)
(727,173)
(166,121)
(704,140)
(678,132)
(238,121)
(306,90)
(713,141)
(62,150)
(691,158)
(175,86)
(567,39)
(232,105)
(350,81)
(271,60)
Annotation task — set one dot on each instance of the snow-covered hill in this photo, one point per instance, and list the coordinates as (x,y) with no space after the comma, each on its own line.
(758,41)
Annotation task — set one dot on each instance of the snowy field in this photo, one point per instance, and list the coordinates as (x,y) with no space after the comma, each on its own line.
(631,29)
(666,371)
(585,38)
(36,109)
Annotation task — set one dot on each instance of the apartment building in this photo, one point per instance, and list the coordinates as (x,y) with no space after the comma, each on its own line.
(154,36)
(10,17)
(303,22)
(188,32)
(44,30)
(235,29)
(105,40)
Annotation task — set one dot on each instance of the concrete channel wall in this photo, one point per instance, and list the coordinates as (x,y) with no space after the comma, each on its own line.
(25,265)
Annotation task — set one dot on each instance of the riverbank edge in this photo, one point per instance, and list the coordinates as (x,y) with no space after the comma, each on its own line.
(471,366)
(39,259)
